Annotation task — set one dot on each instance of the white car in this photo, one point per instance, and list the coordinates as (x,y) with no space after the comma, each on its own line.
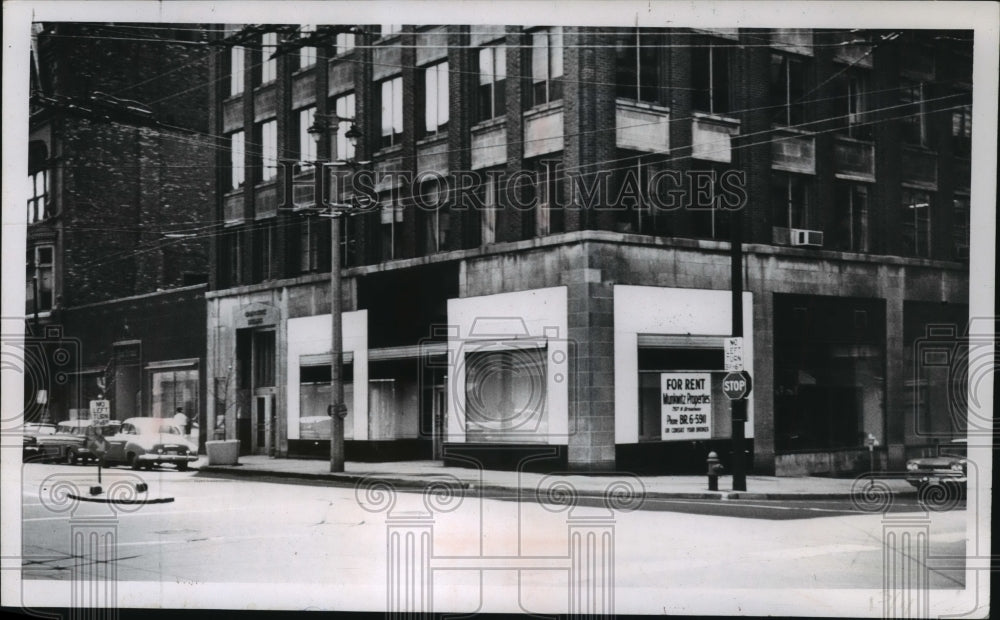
(145,442)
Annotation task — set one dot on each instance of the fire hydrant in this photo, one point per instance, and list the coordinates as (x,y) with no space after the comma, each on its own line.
(714,470)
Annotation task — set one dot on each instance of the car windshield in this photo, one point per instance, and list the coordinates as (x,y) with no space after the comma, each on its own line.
(953,449)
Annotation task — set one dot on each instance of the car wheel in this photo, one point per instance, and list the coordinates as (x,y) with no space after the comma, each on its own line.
(71,456)
(133,462)
(182,467)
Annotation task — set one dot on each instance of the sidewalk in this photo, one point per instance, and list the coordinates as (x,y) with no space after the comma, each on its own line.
(422,474)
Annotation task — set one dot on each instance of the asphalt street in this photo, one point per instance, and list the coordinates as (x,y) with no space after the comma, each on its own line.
(218,529)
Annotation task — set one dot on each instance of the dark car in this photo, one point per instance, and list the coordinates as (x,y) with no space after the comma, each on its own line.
(30,450)
(69,442)
(948,470)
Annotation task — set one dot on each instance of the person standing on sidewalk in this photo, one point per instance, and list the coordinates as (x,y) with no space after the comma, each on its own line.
(181,420)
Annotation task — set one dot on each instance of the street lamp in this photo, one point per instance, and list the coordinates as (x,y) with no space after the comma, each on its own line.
(322,130)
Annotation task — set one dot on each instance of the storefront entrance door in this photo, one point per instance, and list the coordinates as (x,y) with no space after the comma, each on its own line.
(263,424)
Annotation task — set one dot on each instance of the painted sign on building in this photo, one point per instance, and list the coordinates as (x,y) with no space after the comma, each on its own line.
(686,411)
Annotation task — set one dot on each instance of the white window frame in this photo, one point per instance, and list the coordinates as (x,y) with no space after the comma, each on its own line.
(268,66)
(436,102)
(344,106)
(237,160)
(307,146)
(268,150)
(391,125)
(237,65)
(345,42)
(546,61)
(492,71)
(307,53)
(38,203)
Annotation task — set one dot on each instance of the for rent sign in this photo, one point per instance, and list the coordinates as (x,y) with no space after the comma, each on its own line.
(687,405)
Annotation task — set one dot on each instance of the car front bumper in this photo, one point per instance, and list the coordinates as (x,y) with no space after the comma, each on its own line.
(167,458)
(919,479)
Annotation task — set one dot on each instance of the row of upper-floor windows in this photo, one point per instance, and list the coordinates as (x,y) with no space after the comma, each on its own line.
(797,97)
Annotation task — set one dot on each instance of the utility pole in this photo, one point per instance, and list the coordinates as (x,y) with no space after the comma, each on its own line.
(738,406)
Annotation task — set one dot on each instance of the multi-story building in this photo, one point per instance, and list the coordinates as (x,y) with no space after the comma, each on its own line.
(546,275)
(117,219)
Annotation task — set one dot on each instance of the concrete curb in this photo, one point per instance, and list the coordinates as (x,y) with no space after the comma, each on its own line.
(420,484)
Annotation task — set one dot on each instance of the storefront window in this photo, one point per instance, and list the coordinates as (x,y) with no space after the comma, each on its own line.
(314,401)
(173,390)
(693,375)
(829,372)
(505,396)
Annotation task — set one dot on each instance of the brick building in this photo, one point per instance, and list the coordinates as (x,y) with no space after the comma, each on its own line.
(117,218)
(550,251)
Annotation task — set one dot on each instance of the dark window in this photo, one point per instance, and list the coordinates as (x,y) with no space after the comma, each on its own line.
(961,131)
(853,103)
(234,257)
(916,223)
(790,200)
(264,254)
(960,227)
(546,64)
(710,76)
(314,245)
(391,219)
(637,66)
(436,216)
(547,195)
(852,216)
(787,90)
(490,94)
(263,359)
(913,112)
(490,192)
(41,278)
(268,132)
(38,202)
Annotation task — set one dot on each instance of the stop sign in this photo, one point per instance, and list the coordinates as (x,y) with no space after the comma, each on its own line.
(736,385)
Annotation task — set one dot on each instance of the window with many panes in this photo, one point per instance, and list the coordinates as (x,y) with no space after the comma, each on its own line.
(268,132)
(344,108)
(637,66)
(269,66)
(41,278)
(961,131)
(237,149)
(236,67)
(391,102)
(710,75)
(307,145)
(490,94)
(436,98)
(307,54)
(790,200)
(546,64)
(38,201)
(960,227)
(913,112)
(916,223)
(787,90)
(851,208)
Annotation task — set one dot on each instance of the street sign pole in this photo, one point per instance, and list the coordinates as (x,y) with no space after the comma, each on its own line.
(738,406)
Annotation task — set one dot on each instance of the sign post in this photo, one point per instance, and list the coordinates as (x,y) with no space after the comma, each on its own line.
(100,415)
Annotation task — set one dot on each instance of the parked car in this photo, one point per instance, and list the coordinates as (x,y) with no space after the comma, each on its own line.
(69,441)
(30,450)
(145,442)
(948,470)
